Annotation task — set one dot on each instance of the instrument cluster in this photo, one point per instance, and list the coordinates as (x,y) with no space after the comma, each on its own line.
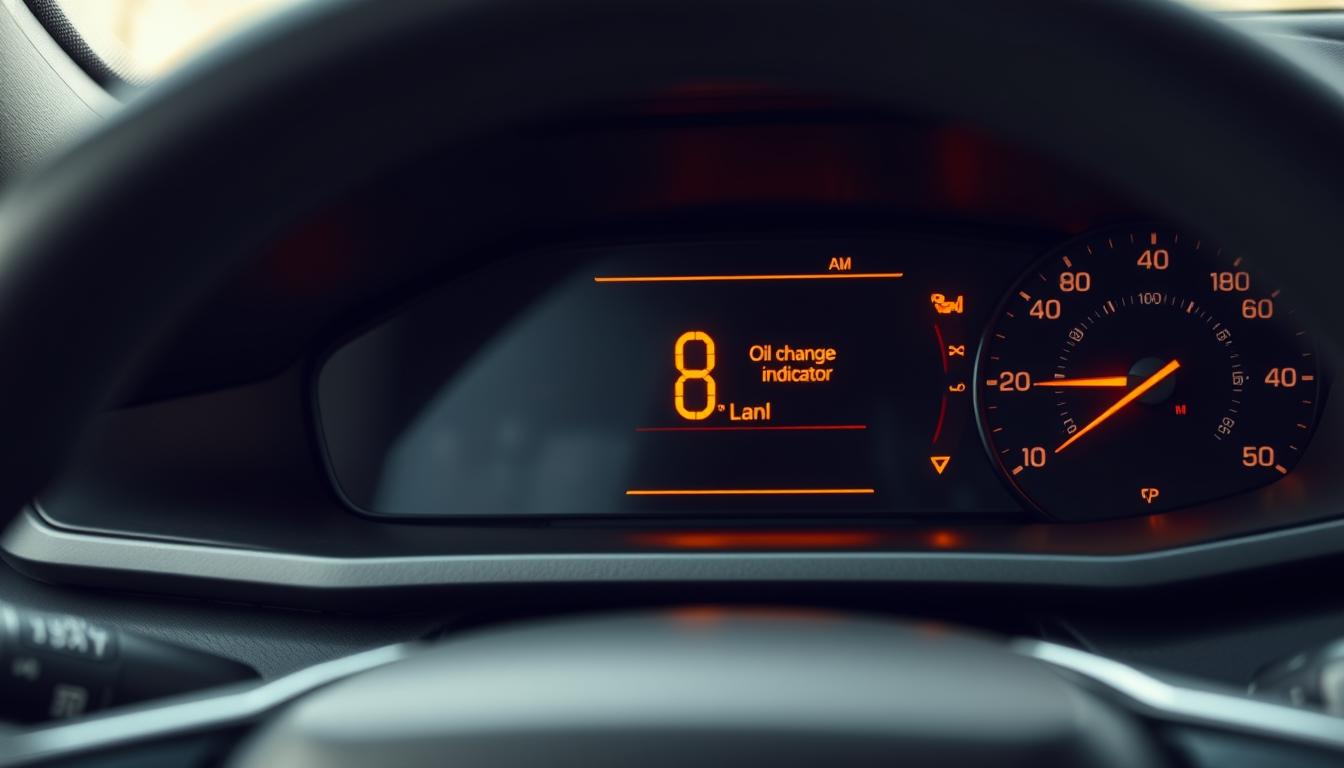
(1130,371)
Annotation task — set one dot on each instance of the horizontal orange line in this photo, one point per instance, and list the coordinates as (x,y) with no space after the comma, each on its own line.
(752,492)
(782,428)
(728,278)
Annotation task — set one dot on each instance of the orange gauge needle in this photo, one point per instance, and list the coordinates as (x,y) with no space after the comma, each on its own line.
(1098,381)
(1130,396)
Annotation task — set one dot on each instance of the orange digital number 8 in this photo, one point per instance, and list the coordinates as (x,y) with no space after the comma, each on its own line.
(694,374)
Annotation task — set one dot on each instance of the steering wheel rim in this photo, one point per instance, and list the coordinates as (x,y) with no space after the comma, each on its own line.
(707,686)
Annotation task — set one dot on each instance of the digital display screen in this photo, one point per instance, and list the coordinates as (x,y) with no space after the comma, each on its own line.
(811,376)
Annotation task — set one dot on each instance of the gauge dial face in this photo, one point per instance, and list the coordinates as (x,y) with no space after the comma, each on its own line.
(1138,370)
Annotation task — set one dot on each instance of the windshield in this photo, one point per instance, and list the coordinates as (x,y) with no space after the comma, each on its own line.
(141,40)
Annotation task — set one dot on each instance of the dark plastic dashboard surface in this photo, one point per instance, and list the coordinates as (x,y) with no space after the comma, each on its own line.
(217,468)
(215,473)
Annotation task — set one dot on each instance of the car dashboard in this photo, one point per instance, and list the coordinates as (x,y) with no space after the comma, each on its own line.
(721,335)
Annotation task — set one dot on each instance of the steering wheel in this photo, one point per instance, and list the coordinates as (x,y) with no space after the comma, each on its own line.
(110,244)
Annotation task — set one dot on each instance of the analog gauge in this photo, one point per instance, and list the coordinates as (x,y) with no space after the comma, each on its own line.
(1138,370)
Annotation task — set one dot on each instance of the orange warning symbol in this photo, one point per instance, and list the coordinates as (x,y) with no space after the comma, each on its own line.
(939,463)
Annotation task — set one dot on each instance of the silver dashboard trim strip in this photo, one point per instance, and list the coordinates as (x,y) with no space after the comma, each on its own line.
(30,541)
(1164,701)
(212,710)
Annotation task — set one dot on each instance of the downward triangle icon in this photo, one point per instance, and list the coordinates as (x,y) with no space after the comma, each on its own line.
(939,463)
